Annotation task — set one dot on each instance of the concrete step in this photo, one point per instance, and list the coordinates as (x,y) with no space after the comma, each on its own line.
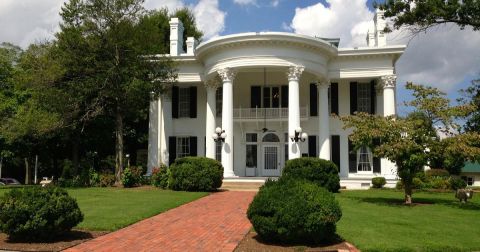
(241,186)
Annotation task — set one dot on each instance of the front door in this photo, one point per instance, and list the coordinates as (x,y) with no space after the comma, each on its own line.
(271,161)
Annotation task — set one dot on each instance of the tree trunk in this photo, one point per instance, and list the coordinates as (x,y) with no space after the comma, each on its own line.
(408,193)
(27,172)
(118,144)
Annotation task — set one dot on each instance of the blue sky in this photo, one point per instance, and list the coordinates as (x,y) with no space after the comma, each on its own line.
(445,57)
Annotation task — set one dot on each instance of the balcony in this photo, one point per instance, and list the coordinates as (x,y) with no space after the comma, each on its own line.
(271,114)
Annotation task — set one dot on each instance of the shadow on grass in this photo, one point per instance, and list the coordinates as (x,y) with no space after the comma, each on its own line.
(418,201)
(69,236)
(332,242)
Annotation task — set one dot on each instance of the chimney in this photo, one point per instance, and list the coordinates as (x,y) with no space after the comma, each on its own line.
(370,38)
(176,37)
(191,44)
(380,24)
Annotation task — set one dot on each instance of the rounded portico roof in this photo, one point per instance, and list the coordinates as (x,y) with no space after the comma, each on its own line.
(266,49)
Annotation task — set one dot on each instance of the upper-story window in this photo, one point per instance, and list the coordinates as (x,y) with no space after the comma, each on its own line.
(219,101)
(184,102)
(364,98)
(269,96)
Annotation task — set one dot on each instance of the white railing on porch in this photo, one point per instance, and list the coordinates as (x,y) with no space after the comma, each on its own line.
(268,113)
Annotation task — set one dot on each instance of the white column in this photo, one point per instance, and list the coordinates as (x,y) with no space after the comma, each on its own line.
(211,87)
(166,125)
(388,83)
(293,75)
(227,75)
(379,99)
(323,121)
(153,131)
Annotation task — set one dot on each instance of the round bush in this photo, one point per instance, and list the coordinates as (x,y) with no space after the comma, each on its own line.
(378,182)
(36,213)
(195,174)
(433,173)
(160,177)
(132,176)
(322,172)
(457,183)
(294,211)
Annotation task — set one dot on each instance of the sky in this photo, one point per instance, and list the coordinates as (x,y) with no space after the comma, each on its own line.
(444,57)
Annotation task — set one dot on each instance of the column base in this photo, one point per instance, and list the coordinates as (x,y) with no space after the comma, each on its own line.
(229,175)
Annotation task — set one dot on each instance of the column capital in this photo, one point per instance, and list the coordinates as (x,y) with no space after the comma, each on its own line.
(226,74)
(323,84)
(388,81)
(212,83)
(294,72)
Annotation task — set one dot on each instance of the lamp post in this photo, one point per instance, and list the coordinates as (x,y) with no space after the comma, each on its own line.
(128,160)
(219,135)
(298,135)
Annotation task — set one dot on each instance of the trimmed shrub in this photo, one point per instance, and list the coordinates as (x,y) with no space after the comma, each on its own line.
(440,183)
(160,177)
(132,176)
(433,173)
(319,171)
(195,174)
(106,179)
(378,182)
(457,183)
(35,213)
(294,211)
(417,183)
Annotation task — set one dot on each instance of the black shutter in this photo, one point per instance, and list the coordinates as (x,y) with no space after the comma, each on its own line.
(174,102)
(377,166)
(313,100)
(193,146)
(352,158)
(255,97)
(373,97)
(336,150)
(284,92)
(193,102)
(205,146)
(312,146)
(266,97)
(334,98)
(172,149)
(353,97)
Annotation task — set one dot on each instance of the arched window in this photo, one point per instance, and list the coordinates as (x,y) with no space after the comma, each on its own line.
(270,137)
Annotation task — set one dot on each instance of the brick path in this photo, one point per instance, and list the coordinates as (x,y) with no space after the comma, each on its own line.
(217,222)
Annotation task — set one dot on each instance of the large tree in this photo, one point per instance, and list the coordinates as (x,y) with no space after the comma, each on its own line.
(419,15)
(407,141)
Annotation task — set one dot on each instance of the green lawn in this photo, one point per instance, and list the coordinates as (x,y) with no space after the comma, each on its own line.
(376,220)
(114,208)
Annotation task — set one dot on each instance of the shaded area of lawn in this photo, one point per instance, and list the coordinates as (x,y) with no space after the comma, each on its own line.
(114,208)
(376,220)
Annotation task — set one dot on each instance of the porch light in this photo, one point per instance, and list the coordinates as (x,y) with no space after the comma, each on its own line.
(219,135)
(299,136)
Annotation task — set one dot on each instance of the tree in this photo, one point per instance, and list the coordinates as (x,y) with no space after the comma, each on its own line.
(472,96)
(419,15)
(407,141)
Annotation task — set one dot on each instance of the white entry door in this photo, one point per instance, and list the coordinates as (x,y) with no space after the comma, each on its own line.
(271,160)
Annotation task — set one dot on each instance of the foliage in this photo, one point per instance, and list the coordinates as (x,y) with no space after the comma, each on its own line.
(437,173)
(407,141)
(38,213)
(322,172)
(292,210)
(195,174)
(472,96)
(106,179)
(420,15)
(160,176)
(132,176)
(457,183)
(379,182)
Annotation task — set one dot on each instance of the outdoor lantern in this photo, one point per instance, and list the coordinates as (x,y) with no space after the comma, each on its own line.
(219,135)
(299,136)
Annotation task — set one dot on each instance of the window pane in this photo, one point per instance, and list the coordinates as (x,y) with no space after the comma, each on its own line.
(183,147)
(251,137)
(275,97)
(251,155)
(184,102)
(219,101)
(363,97)
(270,138)
(364,158)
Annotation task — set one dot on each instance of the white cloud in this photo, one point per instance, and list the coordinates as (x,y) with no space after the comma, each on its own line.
(171,5)
(245,2)
(275,3)
(444,57)
(210,19)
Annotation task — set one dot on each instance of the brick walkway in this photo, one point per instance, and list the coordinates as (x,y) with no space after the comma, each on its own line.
(217,222)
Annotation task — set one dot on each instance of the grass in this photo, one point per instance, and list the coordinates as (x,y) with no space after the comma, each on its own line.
(376,220)
(113,208)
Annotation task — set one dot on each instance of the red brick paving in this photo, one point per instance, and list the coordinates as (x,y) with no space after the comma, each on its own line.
(217,222)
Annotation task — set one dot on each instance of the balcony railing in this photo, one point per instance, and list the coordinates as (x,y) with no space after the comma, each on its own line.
(268,113)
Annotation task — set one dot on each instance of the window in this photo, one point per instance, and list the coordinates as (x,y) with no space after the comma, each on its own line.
(468,180)
(364,97)
(272,97)
(364,159)
(184,102)
(270,137)
(183,147)
(219,101)
(218,151)
(251,155)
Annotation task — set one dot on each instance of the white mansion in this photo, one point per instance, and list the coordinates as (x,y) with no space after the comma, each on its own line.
(256,100)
